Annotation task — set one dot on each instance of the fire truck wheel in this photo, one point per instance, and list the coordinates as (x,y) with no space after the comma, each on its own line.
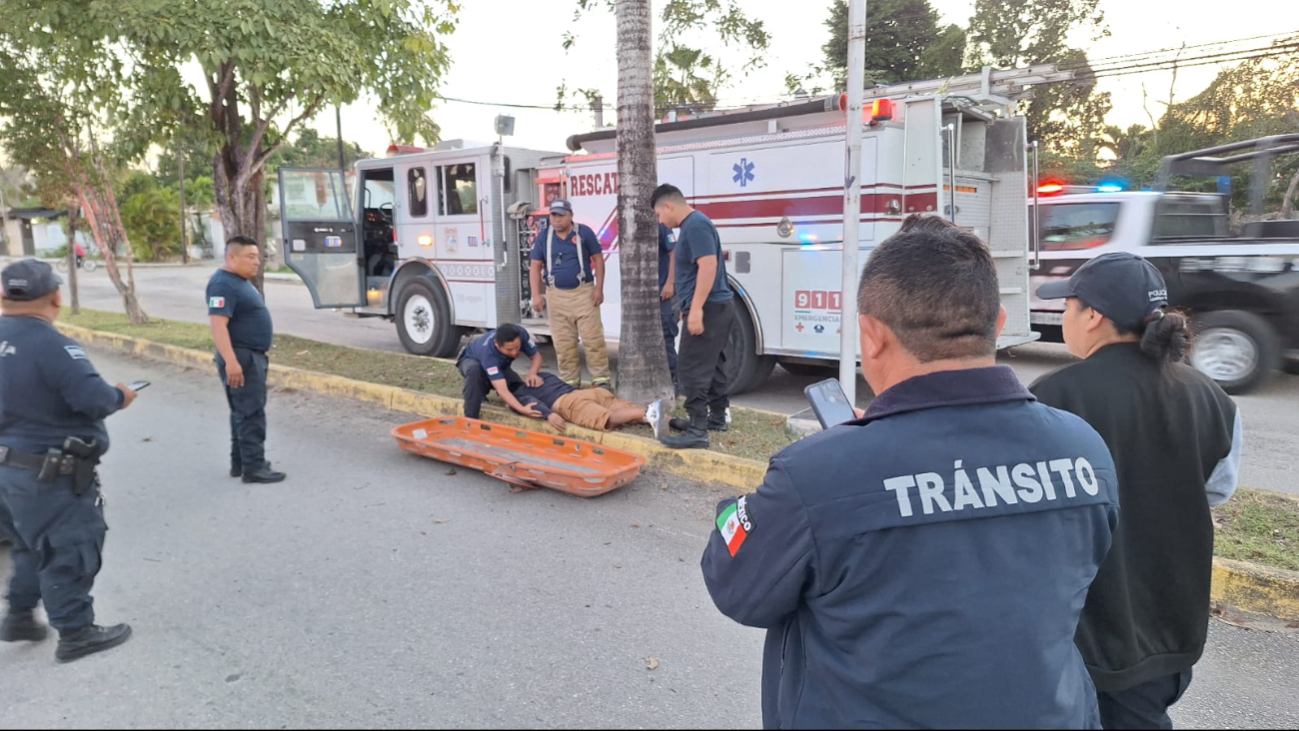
(424,320)
(1237,349)
(746,369)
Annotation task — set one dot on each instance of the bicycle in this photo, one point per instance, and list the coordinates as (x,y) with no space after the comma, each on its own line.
(86,265)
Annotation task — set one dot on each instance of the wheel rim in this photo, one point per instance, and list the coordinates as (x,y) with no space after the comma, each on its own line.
(419,319)
(1225,355)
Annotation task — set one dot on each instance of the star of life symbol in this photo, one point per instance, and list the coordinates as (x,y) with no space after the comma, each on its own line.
(743,172)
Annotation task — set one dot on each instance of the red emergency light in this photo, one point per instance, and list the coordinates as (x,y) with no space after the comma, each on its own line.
(1050,188)
(403,149)
(879,110)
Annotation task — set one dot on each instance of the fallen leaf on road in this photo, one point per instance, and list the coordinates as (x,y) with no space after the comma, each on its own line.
(450,472)
(444,520)
(147,439)
(652,663)
(635,525)
(617,566)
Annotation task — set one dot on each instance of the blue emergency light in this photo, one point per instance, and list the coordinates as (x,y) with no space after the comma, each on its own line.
(1109,188)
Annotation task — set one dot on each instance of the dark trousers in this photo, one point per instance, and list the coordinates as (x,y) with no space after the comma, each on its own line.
(1144,706)
(58,540)
(478,385)
(701,367)
(247,410)
(671,319)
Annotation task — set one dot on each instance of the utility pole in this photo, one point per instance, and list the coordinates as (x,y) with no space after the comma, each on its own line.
(852,199)
(180,167)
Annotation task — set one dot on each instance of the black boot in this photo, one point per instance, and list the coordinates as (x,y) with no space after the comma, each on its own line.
(678,424)
(264,476)
(22,627)
(694,438)
(717,421)
(238,470)
(89,640)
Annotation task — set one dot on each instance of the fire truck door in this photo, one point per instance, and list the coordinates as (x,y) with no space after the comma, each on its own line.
(320,241)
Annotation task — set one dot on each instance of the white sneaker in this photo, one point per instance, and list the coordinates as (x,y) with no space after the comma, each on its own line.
(654,417)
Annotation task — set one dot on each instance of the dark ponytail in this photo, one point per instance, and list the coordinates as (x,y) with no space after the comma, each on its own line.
(1166,337)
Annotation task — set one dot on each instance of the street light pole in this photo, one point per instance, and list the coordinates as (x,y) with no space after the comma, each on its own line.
(180,167)
(852,199)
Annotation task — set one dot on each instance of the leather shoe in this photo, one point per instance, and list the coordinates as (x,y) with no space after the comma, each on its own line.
(22,627)
(264,476)
(89,640)
(694,438)
(237,471)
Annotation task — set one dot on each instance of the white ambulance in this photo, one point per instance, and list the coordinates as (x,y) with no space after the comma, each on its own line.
(438,240)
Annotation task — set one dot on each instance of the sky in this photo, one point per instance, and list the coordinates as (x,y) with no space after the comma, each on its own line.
(510,51)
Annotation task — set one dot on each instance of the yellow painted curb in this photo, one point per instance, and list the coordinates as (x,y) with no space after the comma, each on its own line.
(1256,589)
(695,464)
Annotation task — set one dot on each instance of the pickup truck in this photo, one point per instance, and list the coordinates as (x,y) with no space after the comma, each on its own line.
(1242,292)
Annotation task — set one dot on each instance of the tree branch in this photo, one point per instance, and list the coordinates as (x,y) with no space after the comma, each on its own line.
(264,123)
(307,113)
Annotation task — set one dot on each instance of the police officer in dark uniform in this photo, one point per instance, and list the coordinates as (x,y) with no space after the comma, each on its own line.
(52,409)
(242,332)
(925,565)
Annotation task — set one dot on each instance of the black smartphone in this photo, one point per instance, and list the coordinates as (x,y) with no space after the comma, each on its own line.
(138,385)
(830,403)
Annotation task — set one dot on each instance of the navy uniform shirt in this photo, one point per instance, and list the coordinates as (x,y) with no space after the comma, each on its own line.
(543,397)
(565,265)
(667,244)
(232,296)
(483,349)
(48,389)
(698,238)
(925,566)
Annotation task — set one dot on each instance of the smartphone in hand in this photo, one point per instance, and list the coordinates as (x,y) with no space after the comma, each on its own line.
(830,403)
(138,386)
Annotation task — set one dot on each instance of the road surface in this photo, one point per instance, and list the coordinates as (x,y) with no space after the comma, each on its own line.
(177,293)
(375,589)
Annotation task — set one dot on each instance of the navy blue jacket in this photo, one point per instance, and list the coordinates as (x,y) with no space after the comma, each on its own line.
(48,389)
(924,566)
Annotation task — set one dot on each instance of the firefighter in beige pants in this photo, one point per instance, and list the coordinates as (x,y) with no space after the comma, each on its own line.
(569,256)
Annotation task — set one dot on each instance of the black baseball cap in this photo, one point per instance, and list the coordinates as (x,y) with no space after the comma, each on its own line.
(559,205)
(1123,287)
(28,279)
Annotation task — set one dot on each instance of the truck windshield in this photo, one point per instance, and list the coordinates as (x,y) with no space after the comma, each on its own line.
(1066,226)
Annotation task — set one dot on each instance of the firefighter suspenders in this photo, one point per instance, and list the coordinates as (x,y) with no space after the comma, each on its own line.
(550,256)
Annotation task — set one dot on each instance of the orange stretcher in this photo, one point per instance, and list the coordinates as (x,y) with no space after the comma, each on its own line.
(525,459)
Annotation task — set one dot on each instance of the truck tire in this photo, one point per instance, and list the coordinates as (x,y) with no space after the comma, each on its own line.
(745,369)
(424,320)
(1236,349)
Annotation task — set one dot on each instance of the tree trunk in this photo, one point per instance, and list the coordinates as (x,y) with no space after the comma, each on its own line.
(242,205)
(72,258)
(643,374)
(1287,203)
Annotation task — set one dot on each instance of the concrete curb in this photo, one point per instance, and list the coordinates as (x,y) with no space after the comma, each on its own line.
(1256,589)
(695,464)
(1244,586)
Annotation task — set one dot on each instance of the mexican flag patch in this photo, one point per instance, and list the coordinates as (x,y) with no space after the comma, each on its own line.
(216,303)
(734,525)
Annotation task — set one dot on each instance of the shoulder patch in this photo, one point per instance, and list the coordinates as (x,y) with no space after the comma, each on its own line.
(734,525)
(216,303)
(75,352)
(493,371)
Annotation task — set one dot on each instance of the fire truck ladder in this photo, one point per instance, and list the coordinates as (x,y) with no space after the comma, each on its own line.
(994,85)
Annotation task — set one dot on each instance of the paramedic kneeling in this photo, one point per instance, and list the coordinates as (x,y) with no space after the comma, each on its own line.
(925,565)
(486,362)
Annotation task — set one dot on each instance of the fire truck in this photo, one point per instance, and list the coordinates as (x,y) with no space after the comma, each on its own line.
(438,240)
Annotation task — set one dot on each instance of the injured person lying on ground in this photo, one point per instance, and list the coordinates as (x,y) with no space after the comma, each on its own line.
(593,408)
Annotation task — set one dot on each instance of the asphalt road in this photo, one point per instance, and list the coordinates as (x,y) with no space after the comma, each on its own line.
(177,293)
(375,589)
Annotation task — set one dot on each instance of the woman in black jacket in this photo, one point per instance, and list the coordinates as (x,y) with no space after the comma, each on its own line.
(1176,441)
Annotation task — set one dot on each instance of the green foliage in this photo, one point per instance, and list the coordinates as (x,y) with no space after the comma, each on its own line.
(900,43)
(685,76)
(152,221)
(310,150)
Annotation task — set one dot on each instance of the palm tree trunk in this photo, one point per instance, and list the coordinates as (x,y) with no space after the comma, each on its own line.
(642,358)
